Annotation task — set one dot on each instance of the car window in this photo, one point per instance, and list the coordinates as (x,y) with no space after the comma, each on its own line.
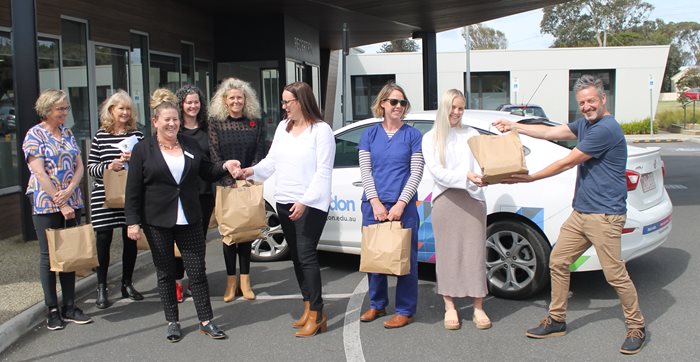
(346,148)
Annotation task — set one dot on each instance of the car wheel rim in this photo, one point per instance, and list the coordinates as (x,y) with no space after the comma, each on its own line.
(272,241)
(510,261)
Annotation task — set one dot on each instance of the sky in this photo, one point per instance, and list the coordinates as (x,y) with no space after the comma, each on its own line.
(523,30)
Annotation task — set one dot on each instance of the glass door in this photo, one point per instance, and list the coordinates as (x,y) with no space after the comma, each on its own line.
(111,71)
(138,80)
(270,79)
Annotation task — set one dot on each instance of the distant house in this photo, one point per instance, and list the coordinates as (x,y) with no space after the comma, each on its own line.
(513,76)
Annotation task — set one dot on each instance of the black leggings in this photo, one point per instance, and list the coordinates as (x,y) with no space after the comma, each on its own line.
(243,251)
(48,278)
(190,241)
(206,202)
(302,237)
(104,242)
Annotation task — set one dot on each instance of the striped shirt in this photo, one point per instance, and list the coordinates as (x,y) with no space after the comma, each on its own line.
(102,151)
(408,190)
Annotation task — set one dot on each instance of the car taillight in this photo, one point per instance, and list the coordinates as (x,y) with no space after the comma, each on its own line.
(663,169)
(632,180)
(627,230)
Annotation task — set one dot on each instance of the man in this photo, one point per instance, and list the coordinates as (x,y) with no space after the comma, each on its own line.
(600,207)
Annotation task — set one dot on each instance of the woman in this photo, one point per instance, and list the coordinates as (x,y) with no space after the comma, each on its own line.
(460,248)
(193,113)
(236,132)
(162,197)
(117,123)
(301,157)
(391,165)
(53,157)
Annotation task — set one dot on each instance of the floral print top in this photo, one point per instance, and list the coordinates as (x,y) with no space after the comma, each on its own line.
(59,157)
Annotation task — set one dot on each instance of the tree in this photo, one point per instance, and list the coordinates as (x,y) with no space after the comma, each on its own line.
(484,37)
(691,79)
(399,46)
(586,22)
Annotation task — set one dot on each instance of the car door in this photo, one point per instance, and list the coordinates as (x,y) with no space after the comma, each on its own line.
(343,228)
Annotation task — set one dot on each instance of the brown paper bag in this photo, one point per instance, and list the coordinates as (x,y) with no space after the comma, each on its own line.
(240,212)
(499,156)
(115,188)
(72,249)
(177,252)
(142,242)
(386,249)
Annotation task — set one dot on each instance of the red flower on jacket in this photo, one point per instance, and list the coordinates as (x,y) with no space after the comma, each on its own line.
(251,123)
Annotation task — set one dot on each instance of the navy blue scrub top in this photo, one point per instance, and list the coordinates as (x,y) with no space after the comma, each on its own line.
(391,159)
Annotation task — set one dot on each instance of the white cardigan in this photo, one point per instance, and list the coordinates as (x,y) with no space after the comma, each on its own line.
(459,161)
(302,165)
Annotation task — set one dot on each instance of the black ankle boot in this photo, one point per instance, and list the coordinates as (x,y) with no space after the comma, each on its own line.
(128,291)
(102,302)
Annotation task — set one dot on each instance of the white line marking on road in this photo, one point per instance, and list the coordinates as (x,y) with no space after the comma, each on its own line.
(676,187)
(351,325)
(257,297)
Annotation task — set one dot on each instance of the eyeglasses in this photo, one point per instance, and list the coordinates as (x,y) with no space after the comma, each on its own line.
(284,103)
(62,109)
(394,102)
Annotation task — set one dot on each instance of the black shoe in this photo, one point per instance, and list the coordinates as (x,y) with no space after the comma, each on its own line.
(212,331)
(128,291)
(53,319)
(547,328)
(75,315)
(102,302)
(634,340)
(174,333)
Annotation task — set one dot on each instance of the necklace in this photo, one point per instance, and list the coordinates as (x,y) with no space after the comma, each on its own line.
(168,148)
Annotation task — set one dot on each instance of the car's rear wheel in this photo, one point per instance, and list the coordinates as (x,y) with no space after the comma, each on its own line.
(271,246)
(517,259)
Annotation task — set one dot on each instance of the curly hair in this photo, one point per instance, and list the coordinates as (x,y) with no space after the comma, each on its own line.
(107,119)
(219,109)
(181,94)
(47,99)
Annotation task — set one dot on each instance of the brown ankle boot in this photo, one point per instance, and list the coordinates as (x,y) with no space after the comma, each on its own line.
(316,323)
(301,321)
(230,293)
(245,287)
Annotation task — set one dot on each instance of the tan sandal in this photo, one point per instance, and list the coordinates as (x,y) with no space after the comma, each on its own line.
(452,320)
(483,322)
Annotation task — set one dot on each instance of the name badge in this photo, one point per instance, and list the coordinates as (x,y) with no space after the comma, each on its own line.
(189,155)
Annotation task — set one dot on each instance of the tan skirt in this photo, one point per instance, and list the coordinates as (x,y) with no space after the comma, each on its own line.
(459,226)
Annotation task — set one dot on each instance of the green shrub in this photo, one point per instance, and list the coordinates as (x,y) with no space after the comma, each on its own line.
(638,127)
(668,117)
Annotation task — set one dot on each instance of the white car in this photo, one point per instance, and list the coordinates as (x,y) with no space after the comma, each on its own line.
(523,219)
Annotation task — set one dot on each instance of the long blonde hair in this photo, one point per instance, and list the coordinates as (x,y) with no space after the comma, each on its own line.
(441,127)
(107,119)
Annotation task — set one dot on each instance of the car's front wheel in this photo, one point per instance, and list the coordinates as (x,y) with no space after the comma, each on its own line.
(271,246)
(517,259)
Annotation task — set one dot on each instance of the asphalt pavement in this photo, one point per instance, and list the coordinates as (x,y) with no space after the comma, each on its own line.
(259,330)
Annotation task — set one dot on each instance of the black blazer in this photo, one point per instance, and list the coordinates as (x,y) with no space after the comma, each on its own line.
(151,190)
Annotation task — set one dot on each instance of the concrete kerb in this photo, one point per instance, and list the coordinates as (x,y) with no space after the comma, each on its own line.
(12,330)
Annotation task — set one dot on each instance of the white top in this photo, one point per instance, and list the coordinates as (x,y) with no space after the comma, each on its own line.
(459,161)
(302,165)
(176,164)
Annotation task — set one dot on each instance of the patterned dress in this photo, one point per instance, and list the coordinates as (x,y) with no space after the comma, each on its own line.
(102,151)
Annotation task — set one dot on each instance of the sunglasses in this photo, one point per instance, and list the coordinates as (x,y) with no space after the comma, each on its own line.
(394,102)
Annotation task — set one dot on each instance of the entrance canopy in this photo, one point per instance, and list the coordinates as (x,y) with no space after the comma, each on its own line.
(373,21)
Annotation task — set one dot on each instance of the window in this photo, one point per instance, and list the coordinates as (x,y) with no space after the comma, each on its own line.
(608,78)
(139,80)
(111,71)
(8,124)
(346,148)
(75,76)
(203,78)
(364,91)
(187,54)
(489,89)
(164,72)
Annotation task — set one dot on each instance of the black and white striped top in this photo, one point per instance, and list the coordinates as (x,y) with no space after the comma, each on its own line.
(409,189)
(102,152)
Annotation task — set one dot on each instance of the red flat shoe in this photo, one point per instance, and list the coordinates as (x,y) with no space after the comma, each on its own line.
(178,292)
